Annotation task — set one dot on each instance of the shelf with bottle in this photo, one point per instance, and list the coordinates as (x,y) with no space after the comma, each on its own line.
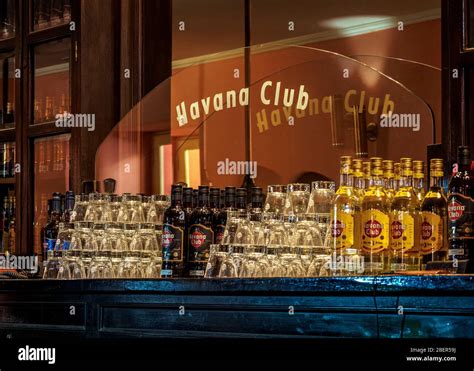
(8,224)
(297,231)
(7,19)
(7,163)
(50,111)
(48,14)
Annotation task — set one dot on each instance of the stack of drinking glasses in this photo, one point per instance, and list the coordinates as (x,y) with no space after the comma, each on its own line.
(109,236)
(288,238)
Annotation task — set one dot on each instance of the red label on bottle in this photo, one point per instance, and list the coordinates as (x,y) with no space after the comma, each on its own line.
(337,228)
(455,210)
(373,228)
(426,230)
(197,239)
(396,229)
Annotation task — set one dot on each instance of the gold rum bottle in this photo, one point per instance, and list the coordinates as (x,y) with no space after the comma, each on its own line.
(404,252)
(418,180)
(433,240)
(396,180)
(388,178)
(344,222)
(366,172)
(358,178)
(375,222)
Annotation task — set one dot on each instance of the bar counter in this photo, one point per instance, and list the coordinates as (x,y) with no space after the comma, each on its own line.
(437,306)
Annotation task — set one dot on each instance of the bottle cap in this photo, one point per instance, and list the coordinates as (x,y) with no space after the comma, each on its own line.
(366,169)
(418,169)
(376,166)
(387,168)
(406,166)
(464,156)
(436,167)
(346,165)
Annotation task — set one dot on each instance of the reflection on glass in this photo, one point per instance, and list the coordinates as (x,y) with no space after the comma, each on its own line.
(470,35)
(51,13)
(51,172)
(7,19)
(7,91)
(285,143)
(52,86)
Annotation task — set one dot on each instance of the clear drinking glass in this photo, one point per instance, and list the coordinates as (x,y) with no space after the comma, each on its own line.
(114,207)
(217,255)
(116,243)
(63,244)
(275,201)
(92,211)
(158,206)
(101,262)
(320,203)
(80,206)
(150,251)
(229,265)
(297,199)
(255,263)
(130,265)
(73,255)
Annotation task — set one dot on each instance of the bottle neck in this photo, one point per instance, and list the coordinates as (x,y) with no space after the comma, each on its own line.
(406,181)
(358,182)
(346,180)
(214,202)
(176,200)
(436,182)
(188,202)
(230,204)
(376,181)
(389,182)
(418,183)
(241,203)
(203,200)
(55,216)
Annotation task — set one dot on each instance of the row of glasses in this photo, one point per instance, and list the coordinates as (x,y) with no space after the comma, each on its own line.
(229,261)
(105,250)
(128,208)
(284,246)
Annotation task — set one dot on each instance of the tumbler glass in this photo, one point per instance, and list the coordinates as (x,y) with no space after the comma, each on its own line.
(275,201)
(320,203)
(80,206)
(297,199)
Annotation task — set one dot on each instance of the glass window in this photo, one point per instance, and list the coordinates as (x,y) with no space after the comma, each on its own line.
(470,14)
(7,19)
(7,91)
(52,80)
(50,13)
(51,171)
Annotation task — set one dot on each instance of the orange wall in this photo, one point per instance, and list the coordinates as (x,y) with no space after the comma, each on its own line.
(283,152)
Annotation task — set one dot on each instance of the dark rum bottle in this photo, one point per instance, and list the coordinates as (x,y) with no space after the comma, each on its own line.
(201,235)
(188,203)
(434,217)
(241,202)
(461,212)
(174,236)
(256,205)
